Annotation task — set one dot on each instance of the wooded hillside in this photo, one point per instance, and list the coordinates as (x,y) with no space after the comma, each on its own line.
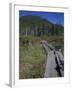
(37,26)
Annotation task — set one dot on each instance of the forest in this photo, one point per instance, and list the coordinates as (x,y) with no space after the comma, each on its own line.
(37,26)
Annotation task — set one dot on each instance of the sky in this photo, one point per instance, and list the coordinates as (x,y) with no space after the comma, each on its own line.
(54,17)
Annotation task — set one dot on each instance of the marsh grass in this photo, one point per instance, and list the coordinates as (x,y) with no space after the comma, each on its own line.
(32,58)
(32,62)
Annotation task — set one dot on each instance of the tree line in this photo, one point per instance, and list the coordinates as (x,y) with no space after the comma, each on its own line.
(42,29)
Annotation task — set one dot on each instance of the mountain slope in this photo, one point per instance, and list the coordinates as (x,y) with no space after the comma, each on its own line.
(38,26)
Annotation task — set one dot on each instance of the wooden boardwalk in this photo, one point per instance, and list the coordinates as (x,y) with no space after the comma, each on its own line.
(55,61)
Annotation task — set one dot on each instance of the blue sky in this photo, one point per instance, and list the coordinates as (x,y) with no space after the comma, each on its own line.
(54,17)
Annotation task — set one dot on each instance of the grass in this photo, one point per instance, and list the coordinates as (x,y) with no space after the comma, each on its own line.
(32,58)
(32,62)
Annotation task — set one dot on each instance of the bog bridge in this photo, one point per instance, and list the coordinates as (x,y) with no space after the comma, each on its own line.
(55,61)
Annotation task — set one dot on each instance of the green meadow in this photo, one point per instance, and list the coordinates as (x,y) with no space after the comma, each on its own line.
(32,57)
